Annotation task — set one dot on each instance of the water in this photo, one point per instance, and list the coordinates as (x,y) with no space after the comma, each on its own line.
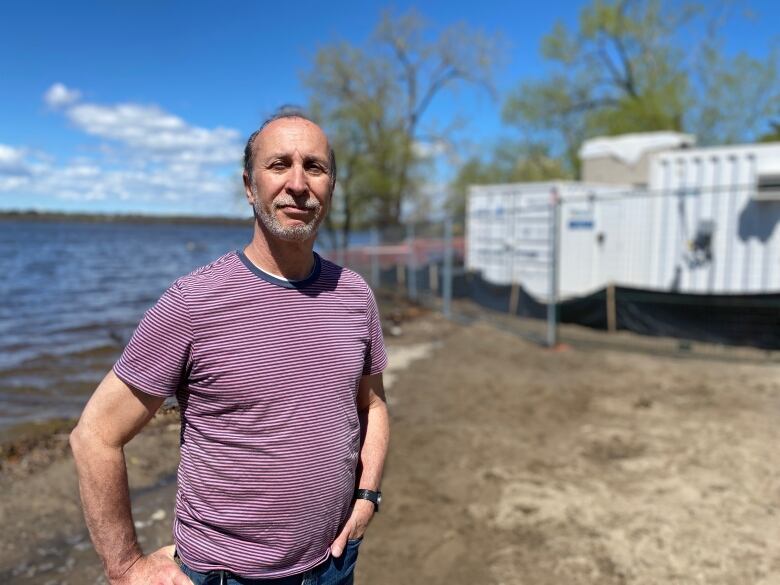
(72,293)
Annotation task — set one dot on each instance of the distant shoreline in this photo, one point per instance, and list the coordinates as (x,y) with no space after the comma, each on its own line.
(121,218)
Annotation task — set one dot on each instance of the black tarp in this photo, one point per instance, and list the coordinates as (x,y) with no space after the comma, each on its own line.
(751,320)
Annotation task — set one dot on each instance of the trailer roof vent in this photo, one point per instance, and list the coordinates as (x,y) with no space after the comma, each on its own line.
(768,187)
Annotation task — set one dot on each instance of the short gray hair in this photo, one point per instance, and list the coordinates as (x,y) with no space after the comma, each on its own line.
(282,113)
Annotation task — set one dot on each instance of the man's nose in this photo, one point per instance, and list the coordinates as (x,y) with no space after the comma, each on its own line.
(296,180)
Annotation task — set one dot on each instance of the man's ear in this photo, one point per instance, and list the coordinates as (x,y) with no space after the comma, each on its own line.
(248,188)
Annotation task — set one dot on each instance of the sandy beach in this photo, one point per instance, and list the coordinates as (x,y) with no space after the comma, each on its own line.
(509,464)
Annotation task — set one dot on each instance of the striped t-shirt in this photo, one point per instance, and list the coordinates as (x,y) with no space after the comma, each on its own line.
(266,372)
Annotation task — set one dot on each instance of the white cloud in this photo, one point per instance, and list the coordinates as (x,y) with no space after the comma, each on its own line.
(12,161)
(13,183)
(150,131)
(58,96)
(147,159)
(430,149)
(86,180)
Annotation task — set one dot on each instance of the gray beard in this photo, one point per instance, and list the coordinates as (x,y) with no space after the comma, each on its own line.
(296,233)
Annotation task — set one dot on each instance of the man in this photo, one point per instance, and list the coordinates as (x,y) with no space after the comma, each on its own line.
(275,356)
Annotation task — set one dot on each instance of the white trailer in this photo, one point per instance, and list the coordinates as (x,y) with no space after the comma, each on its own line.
(510,235)
(706,223)
(714,215)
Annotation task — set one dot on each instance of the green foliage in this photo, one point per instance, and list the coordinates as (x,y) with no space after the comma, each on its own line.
(739,95)
(626,69)
(372,101)
(773,135)
(357,102)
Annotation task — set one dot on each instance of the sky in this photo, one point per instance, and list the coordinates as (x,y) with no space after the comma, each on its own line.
(143,106)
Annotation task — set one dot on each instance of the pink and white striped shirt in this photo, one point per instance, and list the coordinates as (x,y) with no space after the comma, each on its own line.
(266,373)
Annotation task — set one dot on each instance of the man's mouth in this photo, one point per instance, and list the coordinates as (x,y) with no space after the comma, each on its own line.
(305,208)
(296,208)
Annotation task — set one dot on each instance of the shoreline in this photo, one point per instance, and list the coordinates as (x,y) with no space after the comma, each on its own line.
(134,218)
(27,446)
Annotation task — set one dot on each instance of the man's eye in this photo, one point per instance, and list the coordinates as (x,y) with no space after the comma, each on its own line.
(278,166)
(315,170)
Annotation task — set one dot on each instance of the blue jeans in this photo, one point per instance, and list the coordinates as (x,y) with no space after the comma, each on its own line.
(334,571)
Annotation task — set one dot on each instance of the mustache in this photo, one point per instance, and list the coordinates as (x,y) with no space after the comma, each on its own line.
(310,203)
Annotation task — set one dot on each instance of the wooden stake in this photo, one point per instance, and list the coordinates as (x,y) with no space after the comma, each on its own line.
(514,298)
(433,276)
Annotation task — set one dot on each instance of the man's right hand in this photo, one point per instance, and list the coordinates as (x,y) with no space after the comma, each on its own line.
(157,568)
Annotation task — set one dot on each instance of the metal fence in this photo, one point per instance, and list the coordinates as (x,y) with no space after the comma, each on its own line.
(418,260)
(696,264)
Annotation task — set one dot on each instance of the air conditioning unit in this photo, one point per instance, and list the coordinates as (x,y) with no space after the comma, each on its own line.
(767,187)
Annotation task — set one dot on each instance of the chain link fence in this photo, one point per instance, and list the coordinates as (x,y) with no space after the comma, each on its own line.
(686,264)
(417,260)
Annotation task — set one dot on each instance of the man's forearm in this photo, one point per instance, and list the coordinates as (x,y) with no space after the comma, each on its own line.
(375,427)
(105,497)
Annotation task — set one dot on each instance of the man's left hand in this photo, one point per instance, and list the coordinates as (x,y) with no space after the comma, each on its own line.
(355,526)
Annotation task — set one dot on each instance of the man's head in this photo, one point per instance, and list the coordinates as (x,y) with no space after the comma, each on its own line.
(289,176)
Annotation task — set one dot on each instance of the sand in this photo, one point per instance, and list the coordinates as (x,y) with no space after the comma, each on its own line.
(509,464)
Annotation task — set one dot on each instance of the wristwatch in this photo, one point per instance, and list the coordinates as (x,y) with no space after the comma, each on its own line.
(371,496)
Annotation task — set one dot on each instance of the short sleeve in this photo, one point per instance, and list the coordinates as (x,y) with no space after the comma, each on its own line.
(158,355)
(376,356)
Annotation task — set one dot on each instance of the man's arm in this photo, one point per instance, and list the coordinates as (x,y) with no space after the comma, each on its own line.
(375,434)
(114,415)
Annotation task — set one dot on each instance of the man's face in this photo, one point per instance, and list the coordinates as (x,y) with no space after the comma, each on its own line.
(290,190)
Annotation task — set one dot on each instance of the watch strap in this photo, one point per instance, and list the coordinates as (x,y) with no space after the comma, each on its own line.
(370,495)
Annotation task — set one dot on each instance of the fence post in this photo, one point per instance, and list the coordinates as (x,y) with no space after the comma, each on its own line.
(412,263)
(514,293)
(611,308)
(446,296)
(552,301)
(433,277)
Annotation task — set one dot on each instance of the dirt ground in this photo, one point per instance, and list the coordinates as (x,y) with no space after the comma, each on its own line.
(509,464)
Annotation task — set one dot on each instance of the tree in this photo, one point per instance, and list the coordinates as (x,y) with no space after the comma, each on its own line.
(363,132)
(735,97)
(625,70)
(373,102)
